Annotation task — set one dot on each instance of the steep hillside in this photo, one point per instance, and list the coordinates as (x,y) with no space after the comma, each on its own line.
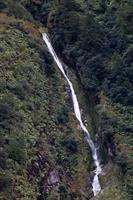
(95,39)
(43,153)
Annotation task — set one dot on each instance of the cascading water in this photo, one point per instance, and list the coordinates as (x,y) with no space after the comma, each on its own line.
(95,184)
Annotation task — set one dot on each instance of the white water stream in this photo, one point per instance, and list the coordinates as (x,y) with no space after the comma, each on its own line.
(95,184)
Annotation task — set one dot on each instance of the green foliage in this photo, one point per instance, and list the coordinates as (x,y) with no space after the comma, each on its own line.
(5,181)
(32,124)
(95,39)
(70,145)
(100,51)
(3,5)
(63,192)
(62,115)
(21,89)
(122,162)
(14,7)
(17,150)
(9,117)
(3,158)
(89,48)
(116,140)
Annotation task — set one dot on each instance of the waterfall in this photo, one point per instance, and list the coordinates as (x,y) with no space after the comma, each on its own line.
(95,184)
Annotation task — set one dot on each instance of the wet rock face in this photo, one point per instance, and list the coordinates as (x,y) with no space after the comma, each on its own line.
(53,178)
(48,178)
(52,181)
(40,163)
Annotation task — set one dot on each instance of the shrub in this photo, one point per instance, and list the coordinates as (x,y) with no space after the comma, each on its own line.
(2,6)
(63,192)
(5,181)
(121,160)
(9,118)
(16,150)
(3,158)
(70,144)
(62,115)
(21,89)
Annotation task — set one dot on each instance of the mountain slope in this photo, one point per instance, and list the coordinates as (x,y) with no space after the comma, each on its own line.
(43,153)
(93,38)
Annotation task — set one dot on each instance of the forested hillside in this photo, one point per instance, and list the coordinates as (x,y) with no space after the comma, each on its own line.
(43,152)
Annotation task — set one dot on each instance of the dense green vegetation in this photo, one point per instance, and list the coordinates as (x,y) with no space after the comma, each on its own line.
(95,39)
(40,140)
